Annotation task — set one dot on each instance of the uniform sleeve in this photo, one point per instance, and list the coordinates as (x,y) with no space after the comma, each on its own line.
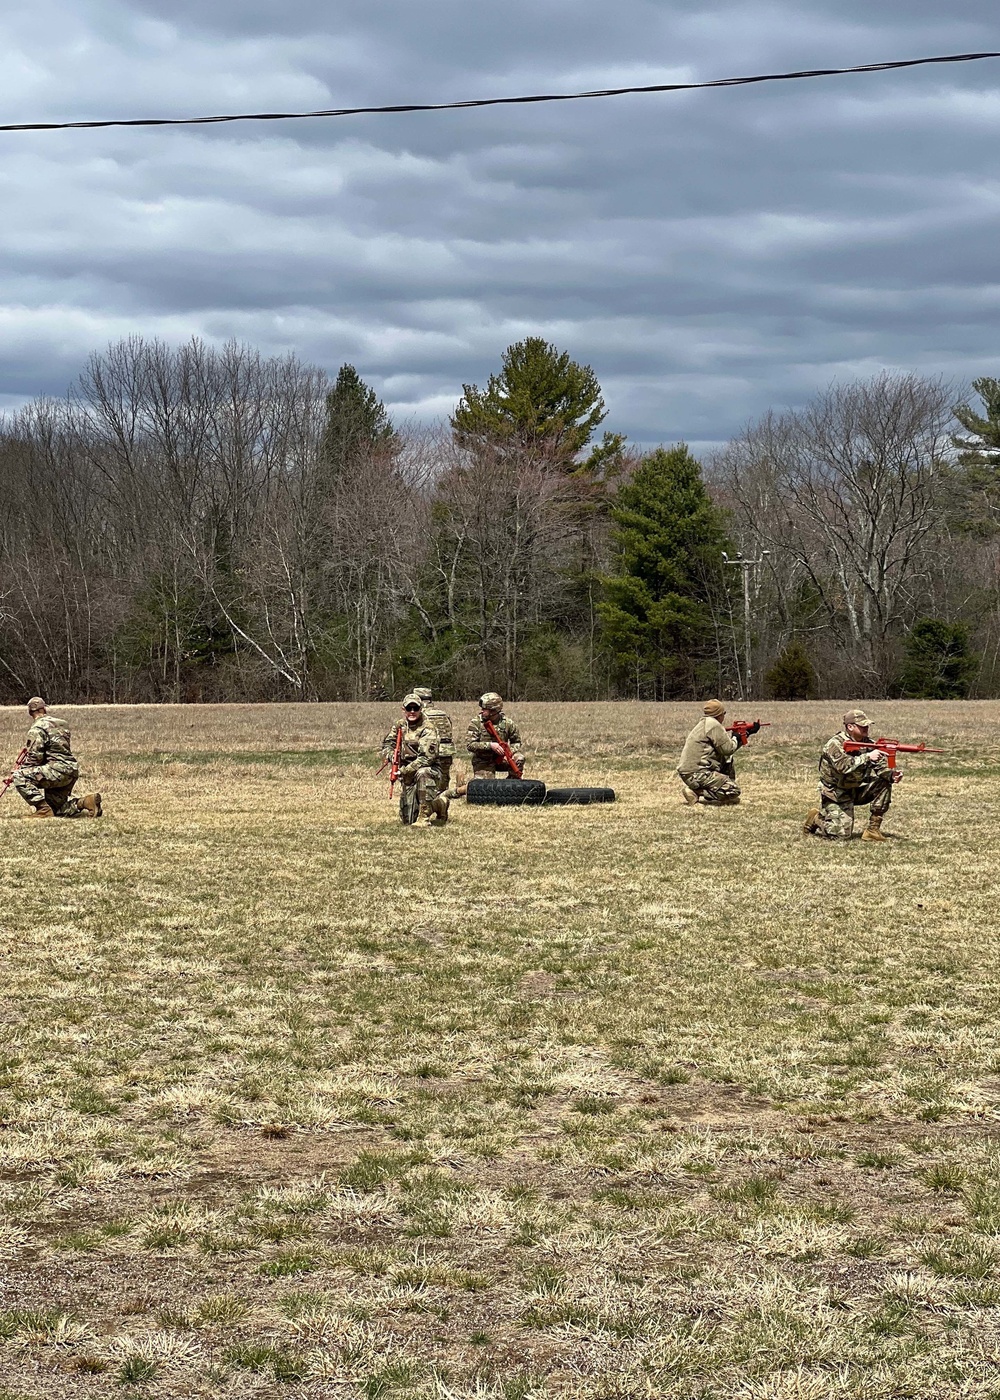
(845,764)
(389,742)
(725,745)
(37,745)
(476,738)
(514,737)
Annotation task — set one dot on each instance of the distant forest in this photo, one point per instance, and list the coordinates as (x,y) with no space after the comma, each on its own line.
(200,524)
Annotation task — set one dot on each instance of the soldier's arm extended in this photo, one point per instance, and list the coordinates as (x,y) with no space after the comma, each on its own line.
(476,739)
(725,745)
(846,765)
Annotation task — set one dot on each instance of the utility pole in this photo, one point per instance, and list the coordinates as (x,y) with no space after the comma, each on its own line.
(747,565)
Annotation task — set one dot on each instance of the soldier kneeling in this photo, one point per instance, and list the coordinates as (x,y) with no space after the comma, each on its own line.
(706,768)
(418,758)
(48,773)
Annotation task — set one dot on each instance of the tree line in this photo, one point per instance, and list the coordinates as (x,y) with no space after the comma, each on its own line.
(198,524)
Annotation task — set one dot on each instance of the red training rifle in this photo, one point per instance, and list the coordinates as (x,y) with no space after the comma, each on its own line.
(740,728)
(509,756)
(890,747)
(13,772)
(393,767)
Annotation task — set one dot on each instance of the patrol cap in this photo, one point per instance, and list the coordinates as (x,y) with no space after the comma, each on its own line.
(35,703)
(857,717)
(715,708)
(491,701)
(423,692)
(412,699)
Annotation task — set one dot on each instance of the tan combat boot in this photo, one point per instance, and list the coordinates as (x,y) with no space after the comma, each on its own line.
(874,831)
(689,795)
(425,814)
(812,825)
(42,810)
(440,805)
(90,802)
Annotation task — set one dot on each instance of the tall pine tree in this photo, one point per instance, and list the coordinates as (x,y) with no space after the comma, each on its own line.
(658,613)
(979,447)
(356,421)
(541,398)
(975,477)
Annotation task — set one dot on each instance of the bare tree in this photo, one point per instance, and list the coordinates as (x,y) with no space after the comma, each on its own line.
(846,496)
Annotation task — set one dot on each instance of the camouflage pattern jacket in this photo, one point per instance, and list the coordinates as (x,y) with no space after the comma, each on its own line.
(48,742)
(707,746)
(478,741)
(420,749)
(442,723)
(843,772)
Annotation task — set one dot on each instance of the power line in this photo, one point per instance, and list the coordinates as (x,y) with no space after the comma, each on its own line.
(499,101)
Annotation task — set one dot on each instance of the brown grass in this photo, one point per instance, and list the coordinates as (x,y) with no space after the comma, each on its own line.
(609,1102)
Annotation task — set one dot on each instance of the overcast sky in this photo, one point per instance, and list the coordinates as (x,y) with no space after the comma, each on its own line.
(711,255)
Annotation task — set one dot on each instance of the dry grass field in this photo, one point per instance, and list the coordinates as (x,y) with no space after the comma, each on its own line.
(612,1102)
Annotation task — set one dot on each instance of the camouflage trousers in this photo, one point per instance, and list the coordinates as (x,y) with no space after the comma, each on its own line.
(445,766)
(715,789)
(419,790)
(52,783)
(482,771)
(836,806)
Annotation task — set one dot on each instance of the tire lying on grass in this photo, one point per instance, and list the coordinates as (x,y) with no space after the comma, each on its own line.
(564,797)
(505,792)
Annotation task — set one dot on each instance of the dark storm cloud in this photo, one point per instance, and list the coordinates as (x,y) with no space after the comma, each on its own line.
(711,255)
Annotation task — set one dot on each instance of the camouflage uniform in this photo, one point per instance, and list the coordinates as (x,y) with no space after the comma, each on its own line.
(418,766)
(706,765)
(486,763)
(442,723)
(849,780)
(49,771)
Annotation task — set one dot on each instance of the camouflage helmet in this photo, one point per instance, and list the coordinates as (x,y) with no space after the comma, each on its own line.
(424,693)
(412,699)
(491,701)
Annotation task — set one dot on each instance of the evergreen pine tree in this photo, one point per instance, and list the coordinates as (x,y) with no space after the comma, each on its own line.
(356,420)
(667,541)
(980,446)
(939,664)
(792,676)
(974,480)
(540,397)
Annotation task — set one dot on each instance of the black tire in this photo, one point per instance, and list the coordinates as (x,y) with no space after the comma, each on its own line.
(505,792)
(564,797)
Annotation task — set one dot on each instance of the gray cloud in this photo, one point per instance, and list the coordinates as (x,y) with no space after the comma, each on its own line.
(711,255)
